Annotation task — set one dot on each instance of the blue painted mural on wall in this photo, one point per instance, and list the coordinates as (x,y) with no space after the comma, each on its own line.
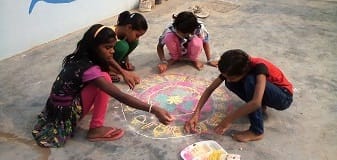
(32,4)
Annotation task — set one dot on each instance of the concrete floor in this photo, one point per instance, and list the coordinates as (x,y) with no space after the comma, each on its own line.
(299,36)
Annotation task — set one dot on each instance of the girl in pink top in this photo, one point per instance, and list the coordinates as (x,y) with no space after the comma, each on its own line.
(185,37)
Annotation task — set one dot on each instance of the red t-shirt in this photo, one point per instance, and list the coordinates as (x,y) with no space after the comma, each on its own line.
(275,75)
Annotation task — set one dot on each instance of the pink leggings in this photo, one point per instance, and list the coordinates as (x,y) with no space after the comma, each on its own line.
(194,46)
(97,100)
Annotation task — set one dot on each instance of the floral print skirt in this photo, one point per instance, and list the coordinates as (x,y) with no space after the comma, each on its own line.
(56,123)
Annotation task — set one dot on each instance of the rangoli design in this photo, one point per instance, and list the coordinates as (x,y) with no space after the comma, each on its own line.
(179,95)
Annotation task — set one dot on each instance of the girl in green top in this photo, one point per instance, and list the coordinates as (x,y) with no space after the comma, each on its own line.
(130,27)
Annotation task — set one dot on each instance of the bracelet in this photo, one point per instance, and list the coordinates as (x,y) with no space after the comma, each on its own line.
(150,108)
(164,62)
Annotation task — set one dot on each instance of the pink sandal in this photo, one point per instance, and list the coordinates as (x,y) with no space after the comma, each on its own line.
(111,135)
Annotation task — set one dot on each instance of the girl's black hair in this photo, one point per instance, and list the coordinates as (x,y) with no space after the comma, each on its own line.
(234,62)
(137,21)
(185,22)
(87,47)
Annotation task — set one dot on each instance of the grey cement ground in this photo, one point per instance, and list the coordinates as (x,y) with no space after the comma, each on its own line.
(300,36)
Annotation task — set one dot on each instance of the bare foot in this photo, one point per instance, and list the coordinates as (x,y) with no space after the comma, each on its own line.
(162,67)
(213,63)
(246,136)
(199,65)
(130,67)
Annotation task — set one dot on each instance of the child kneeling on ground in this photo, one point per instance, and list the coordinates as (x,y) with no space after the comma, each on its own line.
(256,81)
(84,84)
(184,38)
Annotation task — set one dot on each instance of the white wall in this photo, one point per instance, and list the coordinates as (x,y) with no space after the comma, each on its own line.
(49,20)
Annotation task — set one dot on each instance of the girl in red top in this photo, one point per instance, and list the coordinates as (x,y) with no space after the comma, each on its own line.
(256,81)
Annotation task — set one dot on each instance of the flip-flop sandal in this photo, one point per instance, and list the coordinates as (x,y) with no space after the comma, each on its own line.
(115,78)
(199,11)
(111,135)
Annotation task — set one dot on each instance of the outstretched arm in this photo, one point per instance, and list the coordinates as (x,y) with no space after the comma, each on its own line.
(162,115)
(160,52)
(190,125)
(162,66)
(207,50)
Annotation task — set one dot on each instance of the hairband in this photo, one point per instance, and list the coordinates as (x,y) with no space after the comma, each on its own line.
(131,15)
(98,30)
